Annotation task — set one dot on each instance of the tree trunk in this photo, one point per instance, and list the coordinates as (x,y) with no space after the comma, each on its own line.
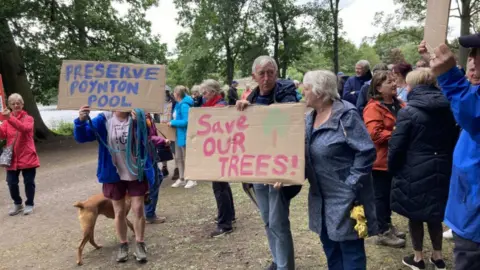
(230,61)
(15,80)
(334,11)
(79,15)
(286,46)
(465,19)
(276,38)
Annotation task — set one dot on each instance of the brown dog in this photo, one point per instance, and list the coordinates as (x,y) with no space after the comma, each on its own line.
(88,212)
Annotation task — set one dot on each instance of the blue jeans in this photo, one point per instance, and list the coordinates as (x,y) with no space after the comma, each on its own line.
(345,255)
(154,190)
(274,209)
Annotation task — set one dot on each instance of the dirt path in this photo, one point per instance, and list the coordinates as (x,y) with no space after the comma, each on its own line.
(48,239)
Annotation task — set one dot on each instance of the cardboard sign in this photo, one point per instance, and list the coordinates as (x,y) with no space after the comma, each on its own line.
(166,132)
(263,144)
(436,24)
(111,86)
(3,100)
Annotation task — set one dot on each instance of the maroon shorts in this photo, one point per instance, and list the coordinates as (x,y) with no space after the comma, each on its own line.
(117,191)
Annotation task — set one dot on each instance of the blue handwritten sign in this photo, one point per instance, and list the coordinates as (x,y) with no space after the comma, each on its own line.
(111,86)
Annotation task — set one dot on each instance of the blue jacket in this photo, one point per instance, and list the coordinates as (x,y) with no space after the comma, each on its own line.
(362,98)
(463,207)
(353,86)
(106,170)
(339,156)
(181,120)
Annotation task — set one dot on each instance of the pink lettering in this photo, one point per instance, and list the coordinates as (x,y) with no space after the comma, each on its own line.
(238,142)
(209,147)
(260,163)
(241,123)
(223,160)
(246,165)
(202,121)
(280,161)
(229,126)
(233,166)
(217,128)
(227,147)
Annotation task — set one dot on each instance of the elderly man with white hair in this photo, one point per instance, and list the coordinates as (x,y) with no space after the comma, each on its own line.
(273,201)
(354,84)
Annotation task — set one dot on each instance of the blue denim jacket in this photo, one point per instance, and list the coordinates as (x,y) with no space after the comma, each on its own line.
(339,159)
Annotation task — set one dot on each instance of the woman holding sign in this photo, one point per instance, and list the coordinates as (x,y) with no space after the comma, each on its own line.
(17,130)
(339,158)
(223,193)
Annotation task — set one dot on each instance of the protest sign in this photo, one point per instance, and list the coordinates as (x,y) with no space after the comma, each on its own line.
(166,132)
(111,86)
(436,24)
(263,144)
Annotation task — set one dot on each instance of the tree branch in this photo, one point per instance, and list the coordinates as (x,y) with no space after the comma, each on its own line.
(459,10)
(473,4)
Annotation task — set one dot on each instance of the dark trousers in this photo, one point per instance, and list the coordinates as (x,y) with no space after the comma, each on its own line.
(466,252)
(382,185)
(435,230)
(345,255)
(151,208)
(224,198)
(13,178)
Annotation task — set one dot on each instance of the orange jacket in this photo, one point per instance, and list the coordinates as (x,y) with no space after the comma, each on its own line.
(380,124)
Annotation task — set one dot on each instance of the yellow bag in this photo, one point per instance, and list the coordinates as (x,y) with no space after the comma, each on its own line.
(358,214)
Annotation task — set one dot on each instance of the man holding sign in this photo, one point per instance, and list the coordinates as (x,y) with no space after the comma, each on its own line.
(274,201)
(463,206)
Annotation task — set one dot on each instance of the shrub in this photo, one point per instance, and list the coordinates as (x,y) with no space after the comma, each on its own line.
(64,128)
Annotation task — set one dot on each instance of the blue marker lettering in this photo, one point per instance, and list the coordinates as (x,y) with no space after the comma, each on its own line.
(73,85)
(151,73)
(114,101)
(93,85)
(102,101)
(92,99)
(77,72)
(68,72)
(103,87)
(88,71)
(125,73)
(112,70)
(124,102)
(100,68)
(82,88)
(121,86)
(132,88)
(137,72)
(113,84)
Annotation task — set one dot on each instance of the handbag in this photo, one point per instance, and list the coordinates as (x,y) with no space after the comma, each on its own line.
(164,152)
(7,154)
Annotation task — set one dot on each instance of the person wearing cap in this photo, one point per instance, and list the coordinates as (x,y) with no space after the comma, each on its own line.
(233,93)
(462,214)
(362,99)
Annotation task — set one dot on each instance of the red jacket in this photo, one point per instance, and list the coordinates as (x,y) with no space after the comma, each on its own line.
(380,124)
(24,151)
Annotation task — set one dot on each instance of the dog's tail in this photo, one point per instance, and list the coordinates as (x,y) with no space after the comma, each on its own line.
(78,205)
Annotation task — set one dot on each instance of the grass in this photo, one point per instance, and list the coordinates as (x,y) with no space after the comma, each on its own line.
(63,128)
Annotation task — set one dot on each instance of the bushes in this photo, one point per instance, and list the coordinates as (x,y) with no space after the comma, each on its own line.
(63,128)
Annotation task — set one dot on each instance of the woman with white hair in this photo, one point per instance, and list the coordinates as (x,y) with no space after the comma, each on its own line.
(354,84)
(334,129)
(18,131)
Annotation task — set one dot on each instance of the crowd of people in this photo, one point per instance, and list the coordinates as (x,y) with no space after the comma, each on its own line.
(395,138)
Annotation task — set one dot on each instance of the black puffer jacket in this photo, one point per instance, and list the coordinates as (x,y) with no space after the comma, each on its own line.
(420,155)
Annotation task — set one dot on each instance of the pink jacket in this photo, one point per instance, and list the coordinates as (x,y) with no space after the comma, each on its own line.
(152,132)
(24,151)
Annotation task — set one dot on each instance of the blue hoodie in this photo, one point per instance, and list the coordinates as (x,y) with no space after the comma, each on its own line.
(463,207)
(181,120)
(106,170)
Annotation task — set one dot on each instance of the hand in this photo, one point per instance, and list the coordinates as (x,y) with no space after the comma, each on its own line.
(443,60)
(277,185)
(167,142)
(423,51)
(83,113)
(169,124)
(6,113)
(242,104)
(133,114)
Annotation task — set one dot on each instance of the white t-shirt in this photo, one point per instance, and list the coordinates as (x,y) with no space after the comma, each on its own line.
(117,140)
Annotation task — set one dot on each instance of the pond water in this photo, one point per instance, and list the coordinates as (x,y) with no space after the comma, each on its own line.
(53,117)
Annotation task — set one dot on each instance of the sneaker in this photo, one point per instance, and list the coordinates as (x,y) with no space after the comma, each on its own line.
(155,220)
(410,262)
(179,183)
(390,240)
(448,235)
(176,174)
(141,252)
(397,233)
(439,264)
(17,208)
(122,255)
(165,171)
(272,266)
(220,232)
(190,184)
(233,221)
(28,210)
